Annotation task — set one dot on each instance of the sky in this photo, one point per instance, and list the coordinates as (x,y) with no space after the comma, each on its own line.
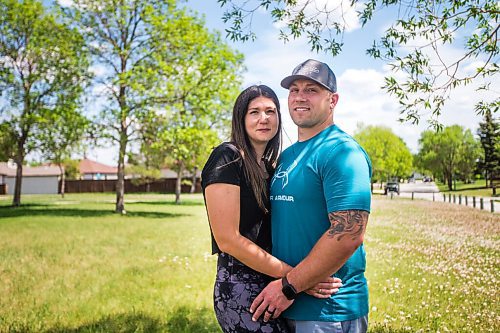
(359,77)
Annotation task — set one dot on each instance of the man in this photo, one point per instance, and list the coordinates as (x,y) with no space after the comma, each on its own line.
(320,196)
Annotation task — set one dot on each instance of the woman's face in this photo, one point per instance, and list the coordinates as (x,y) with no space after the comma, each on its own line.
(261,121)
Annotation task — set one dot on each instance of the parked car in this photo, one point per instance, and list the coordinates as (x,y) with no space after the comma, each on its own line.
(391,186)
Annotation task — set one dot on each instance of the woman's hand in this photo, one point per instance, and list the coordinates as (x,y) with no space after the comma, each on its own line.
(326,288)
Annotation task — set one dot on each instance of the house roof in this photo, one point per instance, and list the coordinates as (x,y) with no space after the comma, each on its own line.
(92,167)
(44,170)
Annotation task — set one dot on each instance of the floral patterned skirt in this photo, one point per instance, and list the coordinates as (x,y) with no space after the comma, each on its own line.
(236,286)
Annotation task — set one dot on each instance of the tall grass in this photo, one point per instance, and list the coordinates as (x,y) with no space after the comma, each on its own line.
(72,265)
(433,267)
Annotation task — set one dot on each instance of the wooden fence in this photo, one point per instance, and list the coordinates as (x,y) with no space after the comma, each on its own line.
(92,186)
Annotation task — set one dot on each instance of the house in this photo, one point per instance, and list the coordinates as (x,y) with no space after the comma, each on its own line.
(171,174)
(36,180)
(92,170)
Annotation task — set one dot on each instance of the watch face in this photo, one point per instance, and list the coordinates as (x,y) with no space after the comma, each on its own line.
(289,292)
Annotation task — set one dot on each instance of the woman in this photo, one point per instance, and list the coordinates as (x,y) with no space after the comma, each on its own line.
(235,183)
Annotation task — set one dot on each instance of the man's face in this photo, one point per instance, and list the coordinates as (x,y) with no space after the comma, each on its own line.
(310,104)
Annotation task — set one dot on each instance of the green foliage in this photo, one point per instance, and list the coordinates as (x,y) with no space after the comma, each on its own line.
(450,153)
(7,141)
(206,82)
(413,46)
(43,70)
(71,169)
(151,269)
(183,149)
(62,134)
(489,135)
(389,154)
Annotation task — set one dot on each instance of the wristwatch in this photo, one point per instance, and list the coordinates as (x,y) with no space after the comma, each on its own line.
(288,290)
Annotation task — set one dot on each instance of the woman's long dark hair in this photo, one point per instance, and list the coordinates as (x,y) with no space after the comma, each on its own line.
(240,138)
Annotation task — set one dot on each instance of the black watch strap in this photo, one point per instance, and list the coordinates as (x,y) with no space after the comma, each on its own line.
(288,290)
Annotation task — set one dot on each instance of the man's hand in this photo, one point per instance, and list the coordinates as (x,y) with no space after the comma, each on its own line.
(271,302)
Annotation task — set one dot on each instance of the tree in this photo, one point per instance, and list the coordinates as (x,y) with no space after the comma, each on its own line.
(489,135)
(71,169)
(207,87)
(412,45)
(183,149)
(142,168)
(61,136)
(451,152)
(43,68)
(142,46)
(388,153)
(469,154)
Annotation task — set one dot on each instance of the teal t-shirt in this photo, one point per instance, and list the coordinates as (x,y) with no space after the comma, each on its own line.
(327,173)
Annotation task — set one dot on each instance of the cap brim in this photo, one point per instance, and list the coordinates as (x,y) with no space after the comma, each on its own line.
(287,82)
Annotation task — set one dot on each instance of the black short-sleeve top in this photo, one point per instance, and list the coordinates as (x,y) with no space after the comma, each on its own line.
(225,165)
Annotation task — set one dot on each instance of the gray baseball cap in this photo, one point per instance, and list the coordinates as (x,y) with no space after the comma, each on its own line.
(314,70)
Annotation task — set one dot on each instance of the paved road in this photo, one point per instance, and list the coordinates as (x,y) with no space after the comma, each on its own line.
(430,191)
(430,187)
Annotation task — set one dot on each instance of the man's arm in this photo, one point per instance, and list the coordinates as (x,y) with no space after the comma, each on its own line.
(336,245)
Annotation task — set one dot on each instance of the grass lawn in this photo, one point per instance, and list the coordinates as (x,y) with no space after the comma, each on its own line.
(72,265)
(478,189)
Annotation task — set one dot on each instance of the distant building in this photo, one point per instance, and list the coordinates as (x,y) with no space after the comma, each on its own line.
(92,170)
(36,180)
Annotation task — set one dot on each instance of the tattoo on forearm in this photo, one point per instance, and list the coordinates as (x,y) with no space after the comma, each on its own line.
(348,222)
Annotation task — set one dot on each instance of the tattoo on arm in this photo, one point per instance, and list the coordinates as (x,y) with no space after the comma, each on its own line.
(347,222)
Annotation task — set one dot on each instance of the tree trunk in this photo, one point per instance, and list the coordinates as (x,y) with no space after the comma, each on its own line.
(63,179)
(193,180)
(123,140)
(16,202)
(120,190)
(120,182)
(19,159)
(449,180)
(178,187)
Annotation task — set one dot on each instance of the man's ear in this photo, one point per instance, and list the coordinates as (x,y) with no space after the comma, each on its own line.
(334,98)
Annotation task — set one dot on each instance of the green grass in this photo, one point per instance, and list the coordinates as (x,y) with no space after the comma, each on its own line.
(72,265)
(477,189)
